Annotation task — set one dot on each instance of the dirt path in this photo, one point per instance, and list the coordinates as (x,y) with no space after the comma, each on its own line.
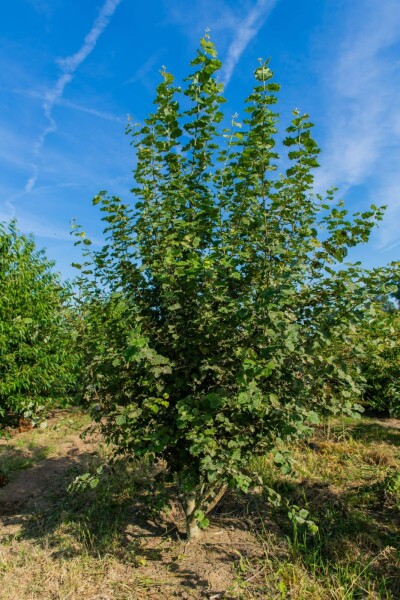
(389,423)
(29,489)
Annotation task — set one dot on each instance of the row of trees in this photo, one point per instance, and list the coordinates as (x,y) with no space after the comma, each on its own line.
(37,361)
(41,336)
(219,320)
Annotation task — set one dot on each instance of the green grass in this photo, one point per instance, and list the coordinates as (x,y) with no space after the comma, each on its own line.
(16,459)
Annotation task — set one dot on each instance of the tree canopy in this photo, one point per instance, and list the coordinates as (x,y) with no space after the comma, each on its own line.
(35,335)
(218,311)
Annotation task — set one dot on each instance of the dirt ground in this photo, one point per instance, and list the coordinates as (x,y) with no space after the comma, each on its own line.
(50,552)
(169,566)
(31,489)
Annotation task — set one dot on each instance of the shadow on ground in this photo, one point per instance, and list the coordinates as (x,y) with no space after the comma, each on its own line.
(371,433)
(358,540)
(117,518)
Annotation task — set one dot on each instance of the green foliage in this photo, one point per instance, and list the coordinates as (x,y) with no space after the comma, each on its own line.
(380,366)
(396,294)
(217,312)
(36,359)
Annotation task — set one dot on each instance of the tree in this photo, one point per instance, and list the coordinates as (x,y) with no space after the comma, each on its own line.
(36,359)
(214,310)
(379,335)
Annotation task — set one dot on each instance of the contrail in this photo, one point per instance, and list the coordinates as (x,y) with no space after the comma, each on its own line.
(68,66)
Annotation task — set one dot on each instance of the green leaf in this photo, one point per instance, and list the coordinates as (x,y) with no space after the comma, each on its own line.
(219,321)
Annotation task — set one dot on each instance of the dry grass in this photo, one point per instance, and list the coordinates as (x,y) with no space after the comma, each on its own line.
(107,543)
(32,571)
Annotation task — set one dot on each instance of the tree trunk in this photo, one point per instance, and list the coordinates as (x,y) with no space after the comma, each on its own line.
(215,498)
(192,529)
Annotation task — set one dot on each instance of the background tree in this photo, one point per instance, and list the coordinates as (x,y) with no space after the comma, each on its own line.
(216,307)
(379,336)
(36,358)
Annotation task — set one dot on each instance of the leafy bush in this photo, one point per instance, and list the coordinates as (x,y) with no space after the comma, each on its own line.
(36,358)
(217,312)
(380,367)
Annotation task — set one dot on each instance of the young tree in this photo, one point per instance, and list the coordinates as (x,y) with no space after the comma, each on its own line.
(36,358)
(215,307)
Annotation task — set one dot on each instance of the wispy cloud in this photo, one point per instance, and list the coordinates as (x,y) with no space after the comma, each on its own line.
(362,146)
(43,6)
(101,114)
(363,84)
(32,179)
(68,66)
(146,67)
(245,32)
(31,223)
(235,24)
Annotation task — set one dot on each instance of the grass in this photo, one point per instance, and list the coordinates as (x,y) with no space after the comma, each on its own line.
(23,451)
(105,543)
(348,482)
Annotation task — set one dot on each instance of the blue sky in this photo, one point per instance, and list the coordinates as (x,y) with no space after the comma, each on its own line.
(71,71)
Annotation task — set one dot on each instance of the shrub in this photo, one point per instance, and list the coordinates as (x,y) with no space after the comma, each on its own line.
(218,309)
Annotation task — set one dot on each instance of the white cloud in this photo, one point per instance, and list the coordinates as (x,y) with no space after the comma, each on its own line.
(362,86)
(32,180)
(69,65)
(245,32)
(92,111)
(235,24)
(68,104)
(362,82)
(43,6)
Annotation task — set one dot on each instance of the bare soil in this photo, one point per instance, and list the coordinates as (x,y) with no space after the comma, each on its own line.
(166,566)
(31,488)
(389,423)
